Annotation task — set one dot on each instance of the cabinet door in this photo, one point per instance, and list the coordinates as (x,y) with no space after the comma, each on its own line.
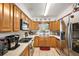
(25,52)
(33,25)
(11,17)
(58,25)
(41,41)
(53,42)
(16,19)
(58,43)
(6,21)
(1,7)
(36,41)
(47,41)
(51,25)
(23,16)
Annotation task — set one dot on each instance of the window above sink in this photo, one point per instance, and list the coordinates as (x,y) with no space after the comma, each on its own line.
(44,26)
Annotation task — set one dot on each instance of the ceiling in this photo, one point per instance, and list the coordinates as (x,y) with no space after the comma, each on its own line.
(37,10)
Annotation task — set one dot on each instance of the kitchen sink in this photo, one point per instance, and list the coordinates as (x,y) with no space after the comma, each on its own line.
(24,40)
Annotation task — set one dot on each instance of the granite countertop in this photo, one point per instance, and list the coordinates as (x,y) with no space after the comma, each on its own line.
(18,50)
(22,46)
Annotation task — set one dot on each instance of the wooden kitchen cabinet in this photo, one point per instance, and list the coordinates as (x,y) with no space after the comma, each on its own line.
(17,15)
(53,42)
(33,25)
(6,22)
(57,25)
(25,52)
(1,15)
(10,16)
(45,42)
(63,44)
(51,25)
(58,43)
(41,42)
(23,16)
(36,41)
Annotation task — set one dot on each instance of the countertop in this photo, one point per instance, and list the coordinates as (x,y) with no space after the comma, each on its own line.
(22,46)
(18,50)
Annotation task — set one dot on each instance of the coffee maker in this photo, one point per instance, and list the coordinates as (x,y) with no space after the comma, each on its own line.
(12,41)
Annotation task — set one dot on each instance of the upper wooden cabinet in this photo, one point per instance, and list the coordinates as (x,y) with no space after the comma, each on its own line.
(57,25)
(23,16)
(1,7)
(6,21)
(51,25)
(10,16)
(17,15)
(33,25)
(54,25)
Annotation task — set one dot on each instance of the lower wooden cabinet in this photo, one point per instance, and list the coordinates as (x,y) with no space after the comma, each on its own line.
(58,43)
(63,44)
(53,42)
(36,41)
(41,42)
(16,19)
(25,52)
(47,42)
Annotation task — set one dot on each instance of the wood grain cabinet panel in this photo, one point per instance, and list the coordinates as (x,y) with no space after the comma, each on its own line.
(41,42)
(11,17)
(23,16)
(16,19)
(25,52)
(6,21)
(58,43)
(58,25)
(33,25)
(48,41)
(1,7)
(53,42)
(51,25)
(6,17)
(36,41)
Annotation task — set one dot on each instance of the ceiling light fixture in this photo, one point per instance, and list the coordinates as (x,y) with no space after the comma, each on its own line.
(47,8)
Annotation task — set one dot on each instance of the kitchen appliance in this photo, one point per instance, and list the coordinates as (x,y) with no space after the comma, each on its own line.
(23,25)
(72,35)
(69,36)
(12,41)
(75,37)
(3,46)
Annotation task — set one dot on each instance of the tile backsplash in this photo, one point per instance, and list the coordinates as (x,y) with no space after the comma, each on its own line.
(8,33)
(21,33)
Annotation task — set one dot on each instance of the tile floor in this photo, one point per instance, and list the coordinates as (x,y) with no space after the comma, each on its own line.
(51,52)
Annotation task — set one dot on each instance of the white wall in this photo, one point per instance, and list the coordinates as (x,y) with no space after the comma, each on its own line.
(24,9)
(65,12)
